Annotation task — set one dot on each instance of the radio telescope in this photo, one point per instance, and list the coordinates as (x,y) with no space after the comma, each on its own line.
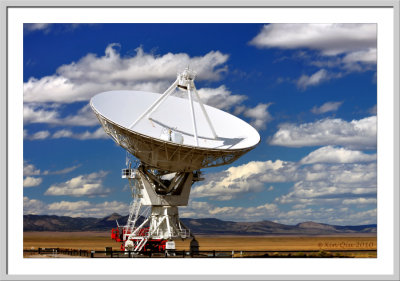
(172,138)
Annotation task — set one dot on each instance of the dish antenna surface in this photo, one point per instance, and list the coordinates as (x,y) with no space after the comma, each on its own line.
(172,138)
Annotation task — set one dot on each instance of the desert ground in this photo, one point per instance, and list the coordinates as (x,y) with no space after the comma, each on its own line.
(99,240)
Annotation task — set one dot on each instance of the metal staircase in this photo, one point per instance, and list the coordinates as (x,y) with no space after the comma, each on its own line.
(140,245)
(134,209)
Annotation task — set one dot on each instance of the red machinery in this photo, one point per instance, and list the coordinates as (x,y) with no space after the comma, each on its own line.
(119,234)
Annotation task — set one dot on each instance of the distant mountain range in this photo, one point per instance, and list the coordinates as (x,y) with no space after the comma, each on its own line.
(209,226)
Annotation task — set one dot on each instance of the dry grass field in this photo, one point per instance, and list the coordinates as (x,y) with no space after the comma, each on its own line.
(100,240)
(74,240)
(283,243)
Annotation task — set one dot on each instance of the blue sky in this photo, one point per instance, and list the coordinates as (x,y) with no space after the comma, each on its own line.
(309,89)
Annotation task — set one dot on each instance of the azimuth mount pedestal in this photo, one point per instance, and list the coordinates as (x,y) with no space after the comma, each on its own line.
(164,192)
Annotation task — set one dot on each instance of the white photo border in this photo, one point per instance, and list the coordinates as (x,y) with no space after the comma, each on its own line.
(15,267)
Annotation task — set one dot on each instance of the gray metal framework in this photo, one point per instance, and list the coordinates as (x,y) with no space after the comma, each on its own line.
(165,155)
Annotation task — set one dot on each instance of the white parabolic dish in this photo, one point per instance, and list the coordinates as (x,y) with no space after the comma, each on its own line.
(117,110)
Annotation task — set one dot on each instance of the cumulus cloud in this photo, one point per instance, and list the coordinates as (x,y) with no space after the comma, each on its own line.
(322,75)
(349,47)
(331,154)
(358,201)
(318,77)
(329,39)
(66,133)
(42,113)
(366,56)
(331,180)
(83,185)
(236,181)
(32,181)
(34,206)
(65,170)
(330,215)
(45,27)
(220,97)
(63,134)
(354,134)
(270,211)
(79,81)
(332,186)
(40,135)
(74,208)
(34,113)
(324,183)
(326,107)
(201,209)
(30,170)
(52,27)
(259,115)
(59,89)
(68,206)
